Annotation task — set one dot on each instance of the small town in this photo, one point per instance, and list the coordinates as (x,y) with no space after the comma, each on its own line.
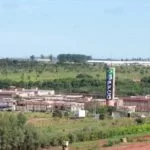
(74,75)
(36,100)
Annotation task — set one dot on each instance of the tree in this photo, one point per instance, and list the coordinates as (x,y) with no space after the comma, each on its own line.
(57,113)
(51,57)
(21,119)
(84,76)
(42,56)
(76,58)
(29,77)
(22,76)
(111,109)
(97,75)
(32,57)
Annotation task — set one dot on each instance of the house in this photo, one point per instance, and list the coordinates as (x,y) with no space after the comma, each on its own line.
(7,94)
(65,105)
(42,105)
(142,103)
(32,105)
(7,104)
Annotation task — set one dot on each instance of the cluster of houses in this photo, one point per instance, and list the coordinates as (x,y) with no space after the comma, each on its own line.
(40,100)
(47,101)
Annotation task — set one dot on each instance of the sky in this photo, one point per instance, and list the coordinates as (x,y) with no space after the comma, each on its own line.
(99,28)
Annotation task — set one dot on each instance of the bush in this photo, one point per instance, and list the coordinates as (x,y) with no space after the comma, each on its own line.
(84,76)
(139,120)
(57,113)
(102,116)
(109,144)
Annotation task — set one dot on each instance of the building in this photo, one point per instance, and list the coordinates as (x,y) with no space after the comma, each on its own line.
(41,100)
(66,105)
(110,83)
(33,105)
(7,94)
(142,103)
(7,104)
(42,105)
(27,93)
(120,62)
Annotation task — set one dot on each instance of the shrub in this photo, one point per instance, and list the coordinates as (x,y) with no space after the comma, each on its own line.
(109,144)
(102,116)
(57,113)
(139,120)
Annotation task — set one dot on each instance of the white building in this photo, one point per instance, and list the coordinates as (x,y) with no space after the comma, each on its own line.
(119,62)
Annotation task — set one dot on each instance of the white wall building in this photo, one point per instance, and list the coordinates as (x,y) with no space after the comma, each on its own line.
(119,62)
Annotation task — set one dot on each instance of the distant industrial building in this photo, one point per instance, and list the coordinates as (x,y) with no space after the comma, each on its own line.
(119,62)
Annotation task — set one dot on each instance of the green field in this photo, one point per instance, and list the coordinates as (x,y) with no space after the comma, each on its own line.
(72,74)
(63,78)
(60,126)
(40,71)
(36,130)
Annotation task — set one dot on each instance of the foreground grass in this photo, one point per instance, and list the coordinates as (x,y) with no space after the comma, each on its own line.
(116,141)
(69,125)
(53,131)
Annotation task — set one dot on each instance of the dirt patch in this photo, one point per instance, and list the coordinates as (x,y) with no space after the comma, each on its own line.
(139,143)
(131,146)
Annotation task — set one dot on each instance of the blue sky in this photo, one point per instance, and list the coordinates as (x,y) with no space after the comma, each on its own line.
(100,28)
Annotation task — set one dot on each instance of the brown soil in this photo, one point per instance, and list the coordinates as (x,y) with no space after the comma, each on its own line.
(143,145)
(132,146)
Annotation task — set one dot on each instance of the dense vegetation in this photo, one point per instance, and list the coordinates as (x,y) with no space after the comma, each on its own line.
(30,131)
(76,78)
(78,58)
(15,134)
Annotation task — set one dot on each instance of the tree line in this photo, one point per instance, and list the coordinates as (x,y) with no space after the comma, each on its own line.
(78,58)
(82,85)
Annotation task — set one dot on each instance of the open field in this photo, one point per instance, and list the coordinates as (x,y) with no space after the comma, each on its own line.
(83,134)
(65,78)
(144,144)
(56,71)
(53,75)
(67,125)
(49,75)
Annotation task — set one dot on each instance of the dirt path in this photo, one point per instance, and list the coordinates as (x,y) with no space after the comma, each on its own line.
(135,145)
(132,146)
